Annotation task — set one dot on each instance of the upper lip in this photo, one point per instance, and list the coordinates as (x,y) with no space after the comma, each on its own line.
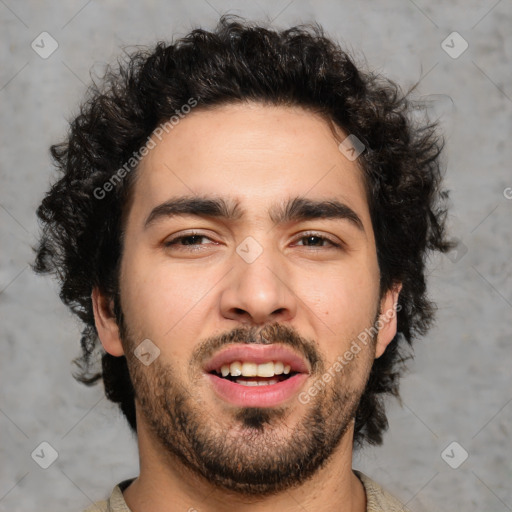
(258,354)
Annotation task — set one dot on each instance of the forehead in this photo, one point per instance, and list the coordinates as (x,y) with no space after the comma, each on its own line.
(253,153)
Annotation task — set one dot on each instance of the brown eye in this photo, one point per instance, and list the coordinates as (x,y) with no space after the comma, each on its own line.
(316,240)
(186,240)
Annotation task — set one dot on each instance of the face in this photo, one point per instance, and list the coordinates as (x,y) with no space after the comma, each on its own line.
(249,263)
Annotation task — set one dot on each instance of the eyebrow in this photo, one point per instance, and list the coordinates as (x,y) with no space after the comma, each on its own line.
(293,210)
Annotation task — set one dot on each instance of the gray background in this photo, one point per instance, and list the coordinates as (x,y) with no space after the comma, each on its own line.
(458,388)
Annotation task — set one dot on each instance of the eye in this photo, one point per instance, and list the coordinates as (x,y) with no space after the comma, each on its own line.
(316,240)
(190,239)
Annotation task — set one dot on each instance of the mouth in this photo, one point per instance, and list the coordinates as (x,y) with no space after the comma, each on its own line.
(256,375)
(247,373)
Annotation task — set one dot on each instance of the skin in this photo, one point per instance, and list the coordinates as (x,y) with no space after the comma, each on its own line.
(181,295)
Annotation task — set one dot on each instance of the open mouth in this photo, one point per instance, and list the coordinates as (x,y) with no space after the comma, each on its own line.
(255,380)
(256,375)
(252,374)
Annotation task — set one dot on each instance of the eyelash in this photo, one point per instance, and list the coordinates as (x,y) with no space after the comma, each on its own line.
(173,242)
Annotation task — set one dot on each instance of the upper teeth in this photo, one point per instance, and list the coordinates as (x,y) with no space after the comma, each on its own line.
(269,369)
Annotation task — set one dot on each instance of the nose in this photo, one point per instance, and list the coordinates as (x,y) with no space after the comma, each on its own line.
(259,292)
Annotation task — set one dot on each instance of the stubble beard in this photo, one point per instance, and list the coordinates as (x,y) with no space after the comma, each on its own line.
(259,454)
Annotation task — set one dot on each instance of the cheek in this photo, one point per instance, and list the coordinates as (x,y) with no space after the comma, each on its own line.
(340,294)
(164,304)
(344,303)
(144,296)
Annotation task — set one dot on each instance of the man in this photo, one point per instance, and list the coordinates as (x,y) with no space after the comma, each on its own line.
(242,221)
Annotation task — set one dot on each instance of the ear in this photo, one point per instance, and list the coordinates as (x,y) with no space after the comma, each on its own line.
(106,324)
(387,322)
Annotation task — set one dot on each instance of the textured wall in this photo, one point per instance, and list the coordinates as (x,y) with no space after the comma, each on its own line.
(458,388)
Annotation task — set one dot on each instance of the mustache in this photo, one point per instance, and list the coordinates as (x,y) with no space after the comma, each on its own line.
(266,335)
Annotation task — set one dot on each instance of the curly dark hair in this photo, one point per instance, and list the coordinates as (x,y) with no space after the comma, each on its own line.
(81,240)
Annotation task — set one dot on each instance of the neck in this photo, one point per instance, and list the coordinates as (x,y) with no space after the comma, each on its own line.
(166,485)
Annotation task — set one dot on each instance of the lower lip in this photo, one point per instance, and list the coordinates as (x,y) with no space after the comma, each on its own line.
(257,396)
